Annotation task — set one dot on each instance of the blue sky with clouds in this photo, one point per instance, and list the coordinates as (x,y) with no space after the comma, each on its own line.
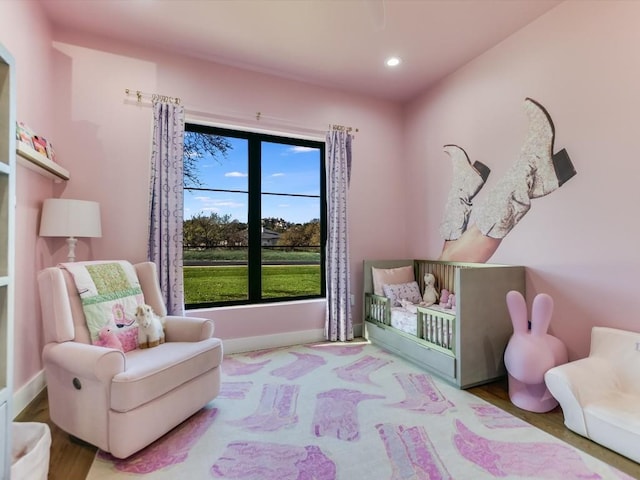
(285,169)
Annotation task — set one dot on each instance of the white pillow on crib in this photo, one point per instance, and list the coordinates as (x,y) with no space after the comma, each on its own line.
(402,291)
(390,276)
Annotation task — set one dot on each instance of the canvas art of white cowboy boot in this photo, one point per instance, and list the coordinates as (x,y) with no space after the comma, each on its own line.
(468,179)
(536,173)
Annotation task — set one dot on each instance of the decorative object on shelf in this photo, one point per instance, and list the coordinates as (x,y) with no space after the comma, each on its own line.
(40,145)
(24,134)
(63,217)
(39,152)
(531,352)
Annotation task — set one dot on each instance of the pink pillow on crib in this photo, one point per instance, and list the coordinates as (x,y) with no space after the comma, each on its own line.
(390,276)
(403,291)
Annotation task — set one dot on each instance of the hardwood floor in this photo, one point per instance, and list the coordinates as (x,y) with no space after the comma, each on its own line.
(68,460)
(71,460)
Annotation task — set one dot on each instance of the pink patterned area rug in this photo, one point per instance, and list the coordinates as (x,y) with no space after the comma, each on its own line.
(348,412)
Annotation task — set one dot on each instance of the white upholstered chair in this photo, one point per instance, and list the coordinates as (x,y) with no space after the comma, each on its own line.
(121,402)
(600,394)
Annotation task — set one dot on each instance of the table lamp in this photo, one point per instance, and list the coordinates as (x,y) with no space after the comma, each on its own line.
(63,217)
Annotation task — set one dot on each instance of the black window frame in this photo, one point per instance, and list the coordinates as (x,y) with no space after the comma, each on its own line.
(254,211)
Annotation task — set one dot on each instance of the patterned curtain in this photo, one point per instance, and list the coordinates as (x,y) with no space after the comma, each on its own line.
(338,324)
(166,202)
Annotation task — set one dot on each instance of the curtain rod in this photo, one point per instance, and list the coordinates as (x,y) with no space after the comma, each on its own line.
(342,128)
(152,96)
(259,116)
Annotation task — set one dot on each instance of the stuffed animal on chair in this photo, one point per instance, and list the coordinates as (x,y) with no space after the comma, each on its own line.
(150,329)
(430,295)
(531,352)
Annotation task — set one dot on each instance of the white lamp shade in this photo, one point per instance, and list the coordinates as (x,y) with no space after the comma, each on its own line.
(62,217)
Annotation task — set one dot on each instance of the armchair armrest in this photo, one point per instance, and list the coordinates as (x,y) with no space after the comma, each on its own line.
(579,383)
(187,329)
(85,361)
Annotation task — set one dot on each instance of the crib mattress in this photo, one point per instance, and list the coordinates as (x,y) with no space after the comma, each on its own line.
(404,320)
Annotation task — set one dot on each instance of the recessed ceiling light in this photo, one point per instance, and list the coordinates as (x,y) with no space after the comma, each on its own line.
(392,62)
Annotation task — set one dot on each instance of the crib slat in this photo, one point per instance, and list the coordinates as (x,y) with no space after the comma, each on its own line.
(445,274)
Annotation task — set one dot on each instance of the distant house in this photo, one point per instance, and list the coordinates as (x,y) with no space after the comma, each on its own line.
(269,238)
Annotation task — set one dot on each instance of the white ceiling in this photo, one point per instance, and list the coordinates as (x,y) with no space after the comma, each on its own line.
(335,43)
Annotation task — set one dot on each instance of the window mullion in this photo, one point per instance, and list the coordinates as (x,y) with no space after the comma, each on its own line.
(255,220)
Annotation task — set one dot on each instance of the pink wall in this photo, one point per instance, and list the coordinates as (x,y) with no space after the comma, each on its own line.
(580,243)
(578,60)
(103,138)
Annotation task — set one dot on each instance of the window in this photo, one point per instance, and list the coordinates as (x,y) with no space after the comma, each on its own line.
(254,217)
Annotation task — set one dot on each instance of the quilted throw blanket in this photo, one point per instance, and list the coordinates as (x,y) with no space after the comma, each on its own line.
(110,293)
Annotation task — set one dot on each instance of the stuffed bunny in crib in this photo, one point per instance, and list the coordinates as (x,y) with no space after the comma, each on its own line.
(531,352)
(430,295)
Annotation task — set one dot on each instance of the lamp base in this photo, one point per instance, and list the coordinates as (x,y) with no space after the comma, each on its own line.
(71,242)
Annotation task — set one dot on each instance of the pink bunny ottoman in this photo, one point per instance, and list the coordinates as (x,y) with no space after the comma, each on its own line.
(531,352)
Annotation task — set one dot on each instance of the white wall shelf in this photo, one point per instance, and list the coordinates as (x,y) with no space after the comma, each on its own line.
(30,158)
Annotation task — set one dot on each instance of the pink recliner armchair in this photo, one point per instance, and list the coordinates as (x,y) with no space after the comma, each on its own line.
(122,402)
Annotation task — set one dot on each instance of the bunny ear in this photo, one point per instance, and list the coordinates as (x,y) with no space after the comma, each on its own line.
(541,311)
(518,310)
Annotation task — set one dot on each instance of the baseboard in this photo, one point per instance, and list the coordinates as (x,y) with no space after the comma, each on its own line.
(250,344)
(357,330)
(25,395)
